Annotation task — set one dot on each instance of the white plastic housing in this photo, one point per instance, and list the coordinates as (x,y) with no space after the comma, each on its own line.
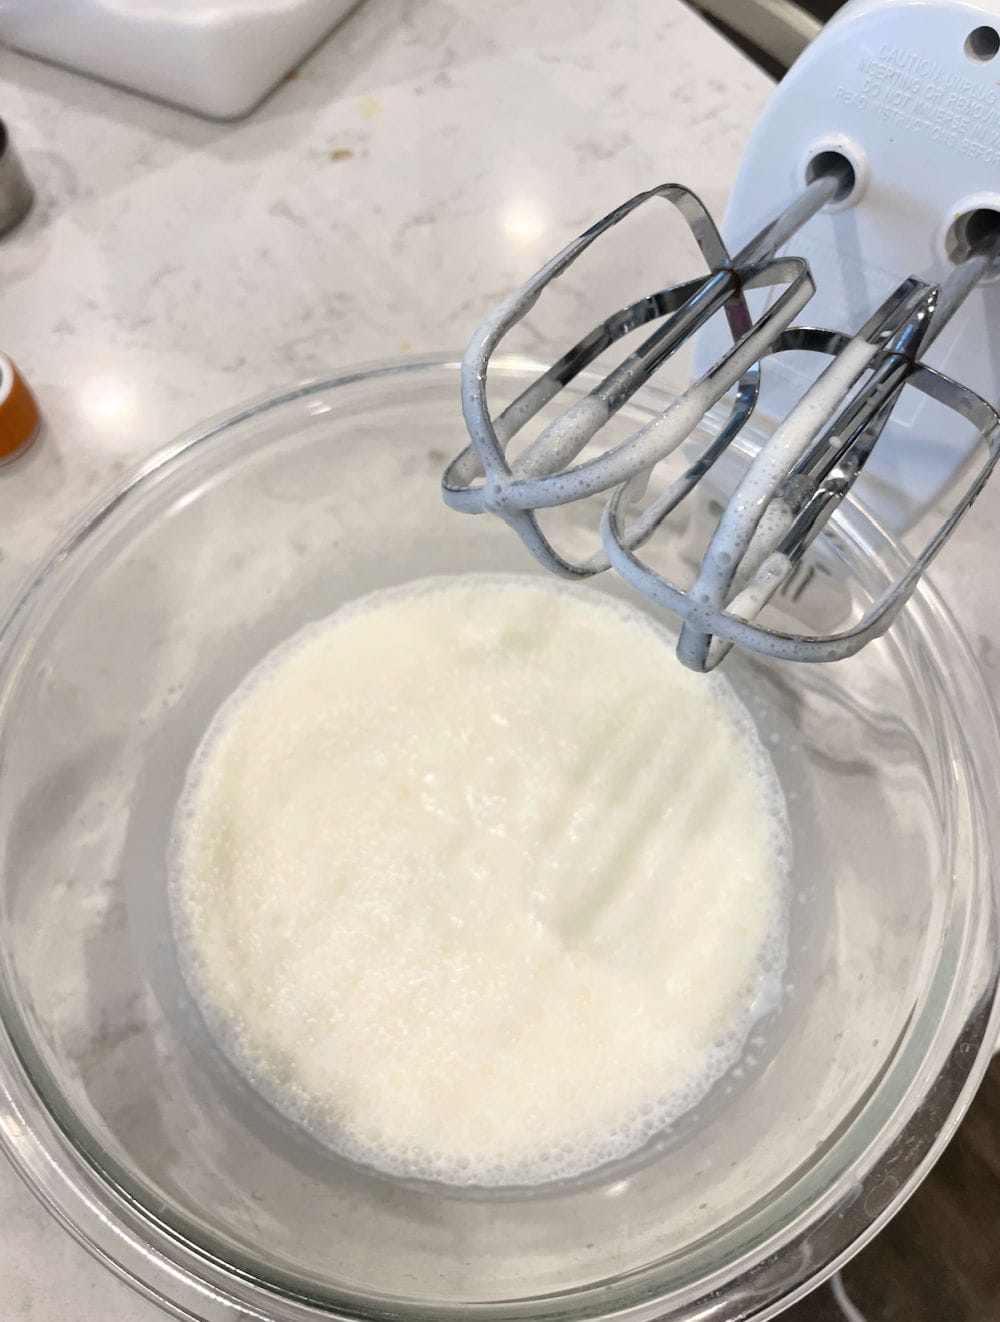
(903,89)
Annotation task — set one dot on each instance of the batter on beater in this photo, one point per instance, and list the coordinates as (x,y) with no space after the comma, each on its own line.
(478,884)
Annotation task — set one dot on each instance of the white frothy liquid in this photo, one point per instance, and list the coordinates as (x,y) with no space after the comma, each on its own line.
(477,883)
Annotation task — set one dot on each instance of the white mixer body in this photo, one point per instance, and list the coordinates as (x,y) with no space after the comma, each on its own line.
(909,92)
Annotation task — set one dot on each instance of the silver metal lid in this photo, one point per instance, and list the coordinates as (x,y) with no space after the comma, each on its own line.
(15,190)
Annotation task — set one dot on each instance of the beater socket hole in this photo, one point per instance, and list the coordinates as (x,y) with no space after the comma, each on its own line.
(982,44)
(834,163)
(969,230)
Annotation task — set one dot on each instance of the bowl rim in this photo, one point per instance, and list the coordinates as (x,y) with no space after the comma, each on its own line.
(153,1258)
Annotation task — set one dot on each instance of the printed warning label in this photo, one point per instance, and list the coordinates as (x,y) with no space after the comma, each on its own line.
(918,95)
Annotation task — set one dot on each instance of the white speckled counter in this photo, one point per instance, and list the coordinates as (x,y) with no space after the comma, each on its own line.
(422,162)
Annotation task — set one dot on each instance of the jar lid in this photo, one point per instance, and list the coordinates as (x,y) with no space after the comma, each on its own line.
(19,417)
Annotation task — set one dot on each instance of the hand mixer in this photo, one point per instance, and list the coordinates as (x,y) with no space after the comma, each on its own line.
(884,142)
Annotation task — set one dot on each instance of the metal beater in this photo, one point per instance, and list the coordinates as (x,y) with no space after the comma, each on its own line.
(860,190)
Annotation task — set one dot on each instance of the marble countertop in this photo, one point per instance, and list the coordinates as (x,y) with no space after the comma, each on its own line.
(420,164)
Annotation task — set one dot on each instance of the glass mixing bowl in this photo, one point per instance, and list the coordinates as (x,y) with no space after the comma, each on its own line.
(124,1117)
